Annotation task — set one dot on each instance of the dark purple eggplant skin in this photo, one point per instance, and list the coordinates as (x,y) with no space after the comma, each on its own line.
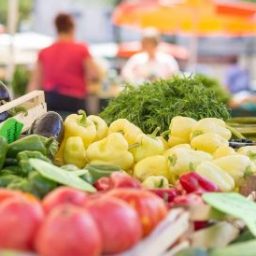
(4,93)
(49,125)
(5,96)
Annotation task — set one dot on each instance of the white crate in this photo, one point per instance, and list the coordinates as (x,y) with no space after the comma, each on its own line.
(33,102)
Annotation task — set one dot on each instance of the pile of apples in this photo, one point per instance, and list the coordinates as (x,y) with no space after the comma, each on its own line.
(69,222)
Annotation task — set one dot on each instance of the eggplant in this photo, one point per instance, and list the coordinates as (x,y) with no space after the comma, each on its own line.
(4,115)
(5,96)
(48,125)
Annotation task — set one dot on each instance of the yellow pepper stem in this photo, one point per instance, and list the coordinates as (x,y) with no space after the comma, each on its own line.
(165,133)
(83,119)
(155,132)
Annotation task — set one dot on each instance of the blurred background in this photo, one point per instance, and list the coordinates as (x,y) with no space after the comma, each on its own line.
(205,37)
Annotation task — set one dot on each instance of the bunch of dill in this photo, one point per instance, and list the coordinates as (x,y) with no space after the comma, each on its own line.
(154,104)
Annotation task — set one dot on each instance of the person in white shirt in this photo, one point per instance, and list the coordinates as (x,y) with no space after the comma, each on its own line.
(150,64)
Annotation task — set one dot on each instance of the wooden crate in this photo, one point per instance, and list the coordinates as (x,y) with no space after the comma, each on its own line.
(33,102)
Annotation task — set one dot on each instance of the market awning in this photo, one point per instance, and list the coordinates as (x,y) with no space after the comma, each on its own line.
(188,16)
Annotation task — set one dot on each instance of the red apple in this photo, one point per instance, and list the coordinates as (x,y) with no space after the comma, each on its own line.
(150,207)
(119,224)
(20,219)
(63,195)
(69,231)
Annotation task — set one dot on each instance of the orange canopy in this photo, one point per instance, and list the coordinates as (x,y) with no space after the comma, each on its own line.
(127,49)
(189,16)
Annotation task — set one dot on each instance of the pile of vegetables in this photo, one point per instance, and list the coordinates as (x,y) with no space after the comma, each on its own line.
(110,182)
(155,104)
(199,146)
(70,222)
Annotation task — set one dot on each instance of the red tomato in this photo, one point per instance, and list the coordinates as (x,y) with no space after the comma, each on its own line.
(20,219)
(69,231)
(119,224)
(149,206)
(63,195)
(6,194)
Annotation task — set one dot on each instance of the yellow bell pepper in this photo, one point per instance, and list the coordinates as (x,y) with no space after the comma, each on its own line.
(149,145)
(76,125)
(111,150)
(101,126)
(215,174)
(131,132)
(223,151)
(152,182)
(182,160)
(249,151)
(174,141)
(151,166)
(235,165)
(74,152)
(212,125)
(208,142)
(79,125)
(171,150)
(180,129)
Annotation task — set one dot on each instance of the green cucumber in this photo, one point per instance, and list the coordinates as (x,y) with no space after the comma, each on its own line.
(60,176)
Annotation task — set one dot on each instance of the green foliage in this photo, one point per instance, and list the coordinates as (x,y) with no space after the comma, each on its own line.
(25,8)
(214,84)
(155,104)
(20,80)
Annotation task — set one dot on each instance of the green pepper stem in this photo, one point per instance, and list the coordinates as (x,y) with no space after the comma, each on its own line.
(83,119)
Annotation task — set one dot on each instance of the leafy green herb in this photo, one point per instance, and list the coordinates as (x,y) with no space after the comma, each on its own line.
(209,82)
(154,104)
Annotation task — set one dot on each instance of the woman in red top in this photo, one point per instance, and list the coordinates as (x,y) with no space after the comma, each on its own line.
(64,69)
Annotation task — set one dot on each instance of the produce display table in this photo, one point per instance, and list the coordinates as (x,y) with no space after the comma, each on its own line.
(92,188)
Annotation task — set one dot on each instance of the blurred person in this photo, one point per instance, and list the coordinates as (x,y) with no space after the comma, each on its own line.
(237,81)
(237,77)
(150,64)
(65,69)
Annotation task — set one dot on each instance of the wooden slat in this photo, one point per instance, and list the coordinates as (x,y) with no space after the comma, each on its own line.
(33,98)
(32,115)
(33,102)
(164,236)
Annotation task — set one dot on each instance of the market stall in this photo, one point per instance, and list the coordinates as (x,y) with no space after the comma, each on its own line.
(169,175)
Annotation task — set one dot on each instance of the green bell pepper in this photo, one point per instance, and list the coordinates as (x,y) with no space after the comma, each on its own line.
(8,178)
(23,160)
(3,152)
(39,185)
(47,146)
